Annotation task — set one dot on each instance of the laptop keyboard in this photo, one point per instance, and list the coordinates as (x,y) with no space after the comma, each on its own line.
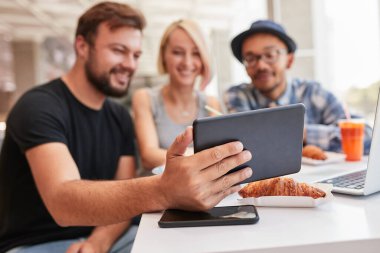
(351,181)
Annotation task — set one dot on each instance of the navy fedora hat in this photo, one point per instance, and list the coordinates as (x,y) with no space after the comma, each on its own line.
(262,26)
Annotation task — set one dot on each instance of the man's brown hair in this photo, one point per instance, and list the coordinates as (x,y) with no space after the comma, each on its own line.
(116,15)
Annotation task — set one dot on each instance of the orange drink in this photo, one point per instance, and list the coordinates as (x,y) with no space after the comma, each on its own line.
(352,132)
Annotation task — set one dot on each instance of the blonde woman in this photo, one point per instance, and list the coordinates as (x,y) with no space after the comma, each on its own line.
(161,113)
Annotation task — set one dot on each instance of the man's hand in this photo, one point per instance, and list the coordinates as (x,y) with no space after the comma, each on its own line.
(90,245)
(83,247)
(198,182)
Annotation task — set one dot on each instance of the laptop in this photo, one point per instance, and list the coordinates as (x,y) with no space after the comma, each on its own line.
(366,181)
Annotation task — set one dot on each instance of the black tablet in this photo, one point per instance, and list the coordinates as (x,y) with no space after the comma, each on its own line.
(217,216)
(274,136)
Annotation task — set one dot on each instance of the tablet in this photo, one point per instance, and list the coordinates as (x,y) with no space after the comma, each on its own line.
(274,136)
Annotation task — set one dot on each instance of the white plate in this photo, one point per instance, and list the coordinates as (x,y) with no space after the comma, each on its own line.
(291,201)
(158,170)
(332,157)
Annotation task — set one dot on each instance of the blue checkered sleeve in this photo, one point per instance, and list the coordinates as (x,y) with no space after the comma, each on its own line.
(237,99)
(326,137)
(323,111)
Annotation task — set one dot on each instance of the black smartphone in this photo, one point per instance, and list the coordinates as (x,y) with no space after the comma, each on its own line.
(217,216)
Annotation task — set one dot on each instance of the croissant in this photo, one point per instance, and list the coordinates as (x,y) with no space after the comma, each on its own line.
(313,152)
(280,187)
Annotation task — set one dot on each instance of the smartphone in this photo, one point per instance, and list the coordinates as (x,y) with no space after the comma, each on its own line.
(217,216)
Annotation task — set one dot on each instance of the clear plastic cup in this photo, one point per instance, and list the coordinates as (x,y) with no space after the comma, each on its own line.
(352,132)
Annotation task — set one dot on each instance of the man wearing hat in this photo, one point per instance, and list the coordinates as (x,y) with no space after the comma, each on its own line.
(267,52)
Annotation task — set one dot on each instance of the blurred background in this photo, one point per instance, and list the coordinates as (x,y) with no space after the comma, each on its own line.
(339,42)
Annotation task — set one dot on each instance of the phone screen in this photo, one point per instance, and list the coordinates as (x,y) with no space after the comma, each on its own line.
(217,216)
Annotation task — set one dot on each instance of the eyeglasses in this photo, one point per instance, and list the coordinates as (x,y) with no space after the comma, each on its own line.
(270,57)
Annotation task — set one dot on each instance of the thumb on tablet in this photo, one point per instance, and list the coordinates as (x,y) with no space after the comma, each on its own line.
(181,142)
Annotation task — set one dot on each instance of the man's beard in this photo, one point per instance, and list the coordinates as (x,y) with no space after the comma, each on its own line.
(102,82)
(268,89)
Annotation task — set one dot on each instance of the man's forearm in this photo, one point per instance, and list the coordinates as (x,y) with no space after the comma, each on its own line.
(95,203)
(326,137)
(104,237)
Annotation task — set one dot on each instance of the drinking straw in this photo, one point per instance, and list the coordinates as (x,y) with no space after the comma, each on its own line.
(346,111)
(210,109)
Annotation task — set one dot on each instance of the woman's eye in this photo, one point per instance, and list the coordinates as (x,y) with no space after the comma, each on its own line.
(136,56)
(177,52)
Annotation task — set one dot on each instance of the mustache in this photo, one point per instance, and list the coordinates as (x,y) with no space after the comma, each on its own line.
(262,72)
(122,70)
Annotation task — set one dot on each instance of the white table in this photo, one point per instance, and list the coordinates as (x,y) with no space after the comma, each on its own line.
(347,224)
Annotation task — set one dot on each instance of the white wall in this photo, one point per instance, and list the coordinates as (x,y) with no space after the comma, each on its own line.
(347,43)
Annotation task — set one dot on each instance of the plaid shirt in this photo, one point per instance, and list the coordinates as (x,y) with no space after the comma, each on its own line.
(323,110)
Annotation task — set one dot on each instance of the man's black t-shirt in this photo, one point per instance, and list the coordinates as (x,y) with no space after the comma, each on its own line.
(50,113)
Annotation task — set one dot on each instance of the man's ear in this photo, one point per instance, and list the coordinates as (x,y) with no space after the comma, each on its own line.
(81,46)
(290,60)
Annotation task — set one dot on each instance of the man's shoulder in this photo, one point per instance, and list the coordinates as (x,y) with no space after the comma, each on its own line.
(39,109)
(52,89)
(239,88)
(309,86)
(310,89)
(44,99)
(305,83)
